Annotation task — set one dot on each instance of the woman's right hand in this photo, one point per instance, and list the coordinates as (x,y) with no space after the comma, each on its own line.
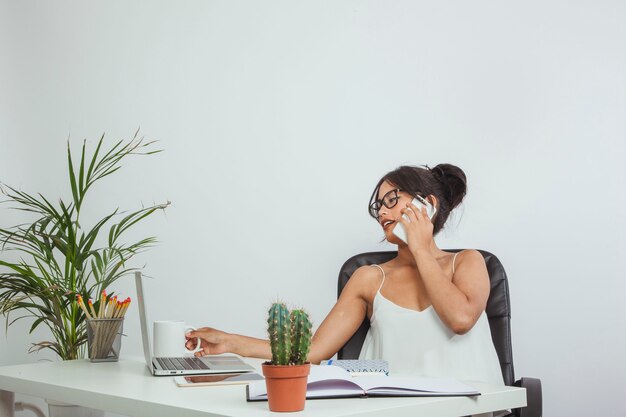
(212,341)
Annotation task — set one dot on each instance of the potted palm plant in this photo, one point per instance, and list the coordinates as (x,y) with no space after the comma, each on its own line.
(53,257)
(286,374)
(50,259)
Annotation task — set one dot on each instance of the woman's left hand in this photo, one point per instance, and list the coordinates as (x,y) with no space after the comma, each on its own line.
(419,228)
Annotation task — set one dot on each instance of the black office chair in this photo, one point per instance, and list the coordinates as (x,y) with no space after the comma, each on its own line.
(498,312)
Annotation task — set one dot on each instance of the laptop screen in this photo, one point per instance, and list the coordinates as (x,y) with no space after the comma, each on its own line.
(147,352)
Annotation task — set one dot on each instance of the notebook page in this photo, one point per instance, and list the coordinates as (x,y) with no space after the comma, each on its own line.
(338,380)
(387,384)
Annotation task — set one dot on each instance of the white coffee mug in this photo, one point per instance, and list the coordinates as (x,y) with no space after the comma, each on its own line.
(169,339)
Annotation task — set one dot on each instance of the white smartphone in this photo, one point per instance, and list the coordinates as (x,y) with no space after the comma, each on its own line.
(418,202)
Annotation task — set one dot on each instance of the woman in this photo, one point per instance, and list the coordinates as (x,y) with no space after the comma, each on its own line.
(426,306)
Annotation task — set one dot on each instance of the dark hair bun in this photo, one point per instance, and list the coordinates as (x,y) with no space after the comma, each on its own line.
(454,183)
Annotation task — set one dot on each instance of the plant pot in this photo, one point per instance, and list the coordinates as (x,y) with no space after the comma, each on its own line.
(59,409)
(286,386)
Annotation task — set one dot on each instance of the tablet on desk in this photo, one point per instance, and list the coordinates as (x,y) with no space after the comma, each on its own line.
(213,380)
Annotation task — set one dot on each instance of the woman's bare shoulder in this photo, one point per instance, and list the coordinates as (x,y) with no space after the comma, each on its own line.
(469,266)
(469,257)
(365,279)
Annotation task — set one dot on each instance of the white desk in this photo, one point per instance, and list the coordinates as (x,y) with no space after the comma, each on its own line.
(127,388)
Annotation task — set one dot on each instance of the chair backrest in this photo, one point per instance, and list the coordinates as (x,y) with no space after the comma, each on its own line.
(498,307)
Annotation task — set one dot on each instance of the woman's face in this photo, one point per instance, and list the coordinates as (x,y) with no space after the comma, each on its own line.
(388,195)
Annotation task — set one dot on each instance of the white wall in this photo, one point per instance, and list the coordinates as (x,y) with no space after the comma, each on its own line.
(278,117)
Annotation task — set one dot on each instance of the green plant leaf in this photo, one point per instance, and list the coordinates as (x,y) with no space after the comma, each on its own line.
(73,184)
(81,170)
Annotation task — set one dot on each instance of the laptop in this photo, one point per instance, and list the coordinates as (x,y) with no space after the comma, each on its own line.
(218,364)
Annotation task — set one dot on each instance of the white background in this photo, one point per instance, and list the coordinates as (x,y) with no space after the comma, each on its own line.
(277,118)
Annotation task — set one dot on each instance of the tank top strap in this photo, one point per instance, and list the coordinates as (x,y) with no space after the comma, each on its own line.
(454,261)
(383,271)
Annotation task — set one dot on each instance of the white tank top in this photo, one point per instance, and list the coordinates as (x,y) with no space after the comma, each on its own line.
(417,342)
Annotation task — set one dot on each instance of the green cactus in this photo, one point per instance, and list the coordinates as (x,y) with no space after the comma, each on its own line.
(289,334)
(300,336)
(278,327)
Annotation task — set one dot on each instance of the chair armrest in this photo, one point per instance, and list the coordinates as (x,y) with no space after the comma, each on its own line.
(534,401)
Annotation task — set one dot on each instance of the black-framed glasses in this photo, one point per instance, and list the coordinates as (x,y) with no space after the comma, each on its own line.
(389,200)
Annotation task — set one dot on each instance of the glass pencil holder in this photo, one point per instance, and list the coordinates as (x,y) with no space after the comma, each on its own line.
(104,339)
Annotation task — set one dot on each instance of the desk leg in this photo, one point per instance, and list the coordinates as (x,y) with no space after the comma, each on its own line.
(7,400)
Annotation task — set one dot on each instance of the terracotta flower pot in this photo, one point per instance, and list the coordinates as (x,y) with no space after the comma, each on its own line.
(286,386)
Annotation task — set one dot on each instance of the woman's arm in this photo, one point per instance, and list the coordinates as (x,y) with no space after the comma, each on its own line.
(215,341)
(346,316)
(336,329)
(458,302)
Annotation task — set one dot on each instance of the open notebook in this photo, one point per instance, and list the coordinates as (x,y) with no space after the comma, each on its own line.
(335,382)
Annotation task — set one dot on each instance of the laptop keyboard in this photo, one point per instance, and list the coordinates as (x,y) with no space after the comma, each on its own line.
(172,364)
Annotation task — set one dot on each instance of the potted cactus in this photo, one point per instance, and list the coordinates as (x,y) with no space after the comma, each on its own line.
(286,374)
